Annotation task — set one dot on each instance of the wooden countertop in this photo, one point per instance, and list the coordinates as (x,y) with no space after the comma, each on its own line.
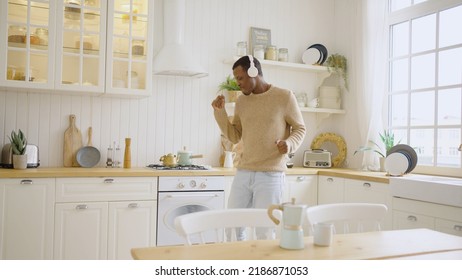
(61,172)
(357,246)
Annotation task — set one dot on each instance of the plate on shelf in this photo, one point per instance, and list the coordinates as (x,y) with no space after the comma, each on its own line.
(405,149)
(311,56)
(321,54)
(396,164)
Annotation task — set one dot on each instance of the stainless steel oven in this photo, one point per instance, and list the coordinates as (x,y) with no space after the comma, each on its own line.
(182,195)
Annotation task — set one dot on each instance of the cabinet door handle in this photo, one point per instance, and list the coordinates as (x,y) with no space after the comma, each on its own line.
(300,178)
(81,207)
(367,185)
(458,227)
(412,218)
(133,205)
(26,182)
(109,181)
(330,180)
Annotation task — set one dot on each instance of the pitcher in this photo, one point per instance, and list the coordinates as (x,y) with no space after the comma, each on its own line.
(229,159)
(292,231)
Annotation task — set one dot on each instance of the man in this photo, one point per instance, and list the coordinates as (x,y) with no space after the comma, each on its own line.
(270,124)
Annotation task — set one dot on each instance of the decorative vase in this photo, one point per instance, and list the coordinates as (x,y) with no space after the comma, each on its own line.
(20,161)
(233,95)
(382,164)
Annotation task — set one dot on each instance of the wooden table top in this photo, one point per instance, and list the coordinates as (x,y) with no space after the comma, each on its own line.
(357,246)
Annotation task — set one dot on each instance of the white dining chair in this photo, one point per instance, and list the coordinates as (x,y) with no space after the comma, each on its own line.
(348,217)
(223,225)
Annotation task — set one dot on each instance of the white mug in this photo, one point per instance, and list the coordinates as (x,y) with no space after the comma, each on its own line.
(323,233)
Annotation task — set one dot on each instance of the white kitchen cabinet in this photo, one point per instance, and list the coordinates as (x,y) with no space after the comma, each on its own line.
(109,45)
(330,189)
(101,46)
(337,190)
(303,188)
(26,218)
(370,192)
(103,218)
(408,214)
(28,49)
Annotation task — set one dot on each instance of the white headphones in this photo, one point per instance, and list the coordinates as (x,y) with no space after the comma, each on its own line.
(252,71)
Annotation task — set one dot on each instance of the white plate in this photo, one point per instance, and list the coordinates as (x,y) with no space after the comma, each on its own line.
(311,56)
(396,164)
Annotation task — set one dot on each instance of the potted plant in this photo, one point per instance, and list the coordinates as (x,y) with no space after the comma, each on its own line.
(232,87)
(388,140)
(18,147)
(337,63)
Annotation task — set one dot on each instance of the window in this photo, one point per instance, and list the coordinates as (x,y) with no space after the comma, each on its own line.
(425,81)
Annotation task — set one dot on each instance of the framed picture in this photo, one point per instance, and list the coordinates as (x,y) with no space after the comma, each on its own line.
(259,36)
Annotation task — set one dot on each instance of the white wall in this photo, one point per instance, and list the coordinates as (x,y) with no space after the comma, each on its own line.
(179,113)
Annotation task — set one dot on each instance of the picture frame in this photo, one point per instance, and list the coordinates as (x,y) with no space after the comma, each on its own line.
(259,36)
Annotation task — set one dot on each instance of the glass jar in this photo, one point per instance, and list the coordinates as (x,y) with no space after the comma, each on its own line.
(283,55)
(16,34)
(241,49)
(259,52)
(138,47)
(42,33)
(271,53)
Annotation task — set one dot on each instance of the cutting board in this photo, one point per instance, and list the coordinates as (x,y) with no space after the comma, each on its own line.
(72,143)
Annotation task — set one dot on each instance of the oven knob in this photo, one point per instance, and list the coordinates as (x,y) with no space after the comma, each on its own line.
(203,185)
(180,186)
(192,183)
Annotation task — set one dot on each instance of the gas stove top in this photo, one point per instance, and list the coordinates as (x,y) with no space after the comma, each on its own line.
(178,167)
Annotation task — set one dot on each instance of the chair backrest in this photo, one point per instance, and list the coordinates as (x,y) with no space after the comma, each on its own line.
(348,217)
(221,225)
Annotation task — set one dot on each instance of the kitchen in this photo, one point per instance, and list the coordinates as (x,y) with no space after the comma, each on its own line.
(178,113)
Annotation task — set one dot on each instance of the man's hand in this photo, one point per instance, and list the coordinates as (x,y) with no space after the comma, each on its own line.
(282,146)
(219,102)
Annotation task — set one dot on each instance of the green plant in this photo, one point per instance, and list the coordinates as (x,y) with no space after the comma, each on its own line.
(229,84)
(18,142)
(388,140)
(337,63)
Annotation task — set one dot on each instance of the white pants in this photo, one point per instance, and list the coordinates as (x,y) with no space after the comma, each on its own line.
(253,189)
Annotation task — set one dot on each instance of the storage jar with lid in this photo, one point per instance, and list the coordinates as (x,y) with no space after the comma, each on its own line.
(241,48)
(259,52)
(16,34)
(271,53)
(283,55)
(138,47)
(42,33)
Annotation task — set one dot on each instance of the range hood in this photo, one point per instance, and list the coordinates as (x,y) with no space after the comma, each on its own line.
(175,58)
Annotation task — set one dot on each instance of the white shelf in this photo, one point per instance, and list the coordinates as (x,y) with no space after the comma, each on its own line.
(287,65)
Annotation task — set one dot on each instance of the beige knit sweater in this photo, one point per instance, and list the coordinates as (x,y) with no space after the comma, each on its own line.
(260,120)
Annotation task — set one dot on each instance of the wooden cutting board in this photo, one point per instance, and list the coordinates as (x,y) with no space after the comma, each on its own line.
(72,143)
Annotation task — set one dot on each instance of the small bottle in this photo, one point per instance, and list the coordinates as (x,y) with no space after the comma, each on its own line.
(259,52)
(128,153)
(241,49)
(271,53)
(116,156)
(283,55)
(109,161)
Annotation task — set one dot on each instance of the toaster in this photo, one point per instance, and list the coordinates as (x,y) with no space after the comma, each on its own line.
(317,158)
(32,156)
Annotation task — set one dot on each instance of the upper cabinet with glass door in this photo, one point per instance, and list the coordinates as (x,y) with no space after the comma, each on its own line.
(129,47)
(26,59)
(81,53)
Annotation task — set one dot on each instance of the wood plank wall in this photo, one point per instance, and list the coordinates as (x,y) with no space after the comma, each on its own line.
(178,113)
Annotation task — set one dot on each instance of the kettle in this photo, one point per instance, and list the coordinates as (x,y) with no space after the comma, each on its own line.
(292,231)
(169,160)
(229,159)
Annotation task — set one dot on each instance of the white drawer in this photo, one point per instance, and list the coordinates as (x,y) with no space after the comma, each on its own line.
(106,189)
(448,226)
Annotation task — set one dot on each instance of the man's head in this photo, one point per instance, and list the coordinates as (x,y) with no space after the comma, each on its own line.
(241,72)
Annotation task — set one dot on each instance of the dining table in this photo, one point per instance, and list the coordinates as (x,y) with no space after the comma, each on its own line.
(378,245)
